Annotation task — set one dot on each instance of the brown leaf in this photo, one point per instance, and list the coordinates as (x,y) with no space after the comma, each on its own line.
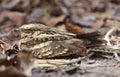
(99,5)
(74,28)
(55,20)
(17,5)
(17,17)
(81,22)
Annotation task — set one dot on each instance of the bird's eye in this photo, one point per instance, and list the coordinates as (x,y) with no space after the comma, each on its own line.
(10,52)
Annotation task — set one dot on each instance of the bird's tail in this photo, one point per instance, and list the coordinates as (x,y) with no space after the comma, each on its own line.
(92,39)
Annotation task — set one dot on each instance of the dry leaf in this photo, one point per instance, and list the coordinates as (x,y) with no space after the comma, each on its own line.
(36,15)
(17,17)
(55,20)
(74,28)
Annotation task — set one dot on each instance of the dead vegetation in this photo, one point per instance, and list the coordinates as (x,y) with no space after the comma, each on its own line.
(76,16)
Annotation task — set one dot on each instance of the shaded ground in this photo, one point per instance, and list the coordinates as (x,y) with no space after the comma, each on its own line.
(100,68)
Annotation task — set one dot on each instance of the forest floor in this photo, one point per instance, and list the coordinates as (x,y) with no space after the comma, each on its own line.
(76,16)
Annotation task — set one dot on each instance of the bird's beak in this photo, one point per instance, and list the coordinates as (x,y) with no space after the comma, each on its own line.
(8,57)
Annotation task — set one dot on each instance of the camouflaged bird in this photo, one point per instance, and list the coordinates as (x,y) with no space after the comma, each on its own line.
(44,42)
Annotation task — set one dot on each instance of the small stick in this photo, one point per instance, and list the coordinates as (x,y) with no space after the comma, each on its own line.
(63,61)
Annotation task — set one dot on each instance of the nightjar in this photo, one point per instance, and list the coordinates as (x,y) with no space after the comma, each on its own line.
(44,42)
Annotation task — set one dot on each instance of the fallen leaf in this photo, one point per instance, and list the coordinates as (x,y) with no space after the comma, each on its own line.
(36,15)
(53,21)
(74,28)
(82,22)
(10,4)
(17,17)
(99,5)
(17,5)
